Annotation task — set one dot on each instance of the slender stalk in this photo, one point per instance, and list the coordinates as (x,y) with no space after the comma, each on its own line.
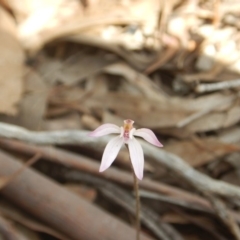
(138,223)
(138,205)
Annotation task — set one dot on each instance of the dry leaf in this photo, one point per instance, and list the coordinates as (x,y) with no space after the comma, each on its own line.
(198,152)
(215,120)
(74,69)
(145,112)
(33,104)
(231,135)
(63,18)
(137,79)
(11,69)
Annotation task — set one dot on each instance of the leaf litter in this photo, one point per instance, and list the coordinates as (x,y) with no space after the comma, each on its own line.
(170,66)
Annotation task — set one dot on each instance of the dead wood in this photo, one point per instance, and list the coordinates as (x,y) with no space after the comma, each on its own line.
(85,164)
(175,195)
(223,214)
(199,180)
(7,231)
(171,66)
(12,212)
(59,208)
(121,197)
(170,161)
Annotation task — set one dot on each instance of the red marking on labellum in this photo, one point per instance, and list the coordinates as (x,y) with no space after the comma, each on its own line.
(128,125)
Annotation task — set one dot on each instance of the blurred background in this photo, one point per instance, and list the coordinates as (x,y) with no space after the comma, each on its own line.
(171,66)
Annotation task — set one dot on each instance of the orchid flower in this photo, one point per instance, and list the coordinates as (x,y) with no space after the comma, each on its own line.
(126,136)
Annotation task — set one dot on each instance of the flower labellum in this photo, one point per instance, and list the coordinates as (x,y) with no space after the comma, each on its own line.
(125,136)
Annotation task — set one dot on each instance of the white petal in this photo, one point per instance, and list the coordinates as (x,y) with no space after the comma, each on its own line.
(137,158)
(110,152)
(148,135)
(105,129)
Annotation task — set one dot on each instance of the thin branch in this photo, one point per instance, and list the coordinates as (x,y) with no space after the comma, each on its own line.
(209,87)
(223,214)
(11,211)
(59,208)
(82,163)
(174,163)
(120,196)
(198,180)
(7,231)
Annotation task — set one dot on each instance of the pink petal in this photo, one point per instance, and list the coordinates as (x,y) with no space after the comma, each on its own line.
(105,129)
(148,135)
(136,155)
(110,152)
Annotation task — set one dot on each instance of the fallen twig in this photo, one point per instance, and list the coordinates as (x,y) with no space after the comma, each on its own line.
(85,164)
(175,196)
(209,87)
(193,219)
(200,181)
(124,199)
(59,208)
(173,201)
(169,160)
(15,214)
(223,214)
(7,231)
